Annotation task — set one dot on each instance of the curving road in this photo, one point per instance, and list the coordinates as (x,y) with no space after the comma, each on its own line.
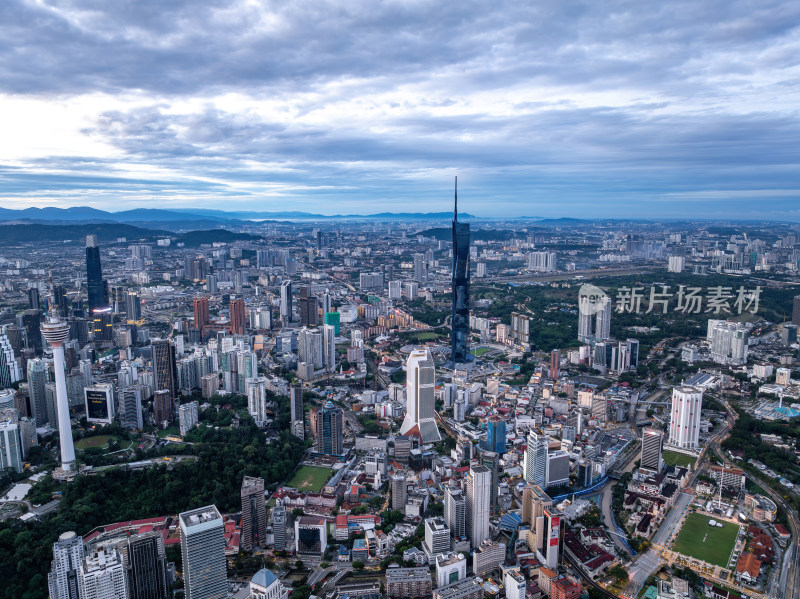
(789,583)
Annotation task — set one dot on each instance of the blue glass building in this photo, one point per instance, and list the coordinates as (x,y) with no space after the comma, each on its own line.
(460,323)
(97,288)
(496,435)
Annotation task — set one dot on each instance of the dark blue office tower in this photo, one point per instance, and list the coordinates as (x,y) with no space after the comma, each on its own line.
(97,286)
(460,354)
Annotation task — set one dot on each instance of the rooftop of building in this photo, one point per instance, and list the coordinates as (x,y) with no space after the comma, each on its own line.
(748,563)
(448,559)
(200,516)
(394,574)
(436,524)
(263,578)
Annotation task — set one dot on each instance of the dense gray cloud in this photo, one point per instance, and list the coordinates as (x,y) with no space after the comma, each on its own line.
(542,107)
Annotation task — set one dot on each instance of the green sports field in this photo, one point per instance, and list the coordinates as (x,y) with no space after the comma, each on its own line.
(708,543)
(675,458)
(96,441)
(309,478)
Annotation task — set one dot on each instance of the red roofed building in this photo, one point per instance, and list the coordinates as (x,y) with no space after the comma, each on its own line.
(564,588)
(232,536)
(782,533)
(340,530)
(748,567)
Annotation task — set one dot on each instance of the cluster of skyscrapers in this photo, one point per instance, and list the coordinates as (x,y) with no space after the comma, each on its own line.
(133,567)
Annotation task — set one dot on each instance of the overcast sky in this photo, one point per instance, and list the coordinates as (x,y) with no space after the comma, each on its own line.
(542,108)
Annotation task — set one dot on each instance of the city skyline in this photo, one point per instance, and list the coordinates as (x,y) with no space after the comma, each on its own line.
(229,347)
(542,110)
(250,348)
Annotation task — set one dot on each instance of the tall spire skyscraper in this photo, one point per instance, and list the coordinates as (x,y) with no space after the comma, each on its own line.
(460,283)
(97,288)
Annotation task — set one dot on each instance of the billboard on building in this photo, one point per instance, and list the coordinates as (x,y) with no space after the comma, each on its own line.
(98,405)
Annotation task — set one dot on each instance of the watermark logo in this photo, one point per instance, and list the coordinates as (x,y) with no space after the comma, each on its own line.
(688,300)
(591,299)
(661,299)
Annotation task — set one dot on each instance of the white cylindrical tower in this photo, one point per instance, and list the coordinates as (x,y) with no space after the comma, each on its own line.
(56,332)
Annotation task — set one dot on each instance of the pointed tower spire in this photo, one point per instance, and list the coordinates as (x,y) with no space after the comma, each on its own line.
(455,208)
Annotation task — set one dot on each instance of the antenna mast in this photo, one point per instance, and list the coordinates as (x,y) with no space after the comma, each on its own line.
(455,208)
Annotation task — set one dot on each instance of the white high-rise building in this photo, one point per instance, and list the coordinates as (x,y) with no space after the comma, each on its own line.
(651,449)
(587,312)
(455,512)
(783,376)
(676,264)
(479,504)
(420,420)
(309,347)
(542,261)
(286,301)
(257,399)
(684,426)
(535,460)
(420,268)
(584,322)
(187,417)
(552,542)
(63,581)
(329,347)
(10,371)
(395,290)
(103,575)
(603,324)
(437,536)
(203,551)
(515,585)
(37,391)
(450,568)
(729,342)
(557,469)
(10,445)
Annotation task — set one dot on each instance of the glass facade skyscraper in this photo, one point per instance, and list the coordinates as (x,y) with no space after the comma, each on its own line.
(329,428)
(460,349)
(496,435)
(97,289)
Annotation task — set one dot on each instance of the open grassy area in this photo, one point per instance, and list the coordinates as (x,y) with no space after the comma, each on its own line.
(479,351)
(708,543)
(96,441)
(169,432)
(674,458)
(309,478)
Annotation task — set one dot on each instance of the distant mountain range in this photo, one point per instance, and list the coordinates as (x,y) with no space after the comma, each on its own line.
(192,218)
(16,233)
